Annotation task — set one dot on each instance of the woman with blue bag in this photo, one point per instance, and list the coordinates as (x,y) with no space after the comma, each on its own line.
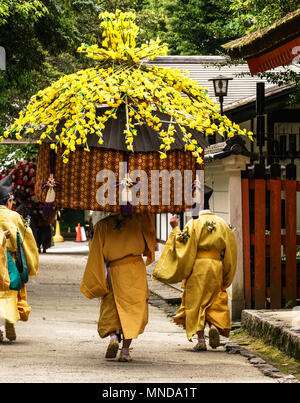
(21,260)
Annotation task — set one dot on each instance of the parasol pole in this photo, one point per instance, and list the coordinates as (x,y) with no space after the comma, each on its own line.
(126,193)
(51,184)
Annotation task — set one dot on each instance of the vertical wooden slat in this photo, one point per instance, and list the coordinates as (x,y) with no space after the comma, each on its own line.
(290,242)
(160,226)
(246,242)
(275,244)
(260,244)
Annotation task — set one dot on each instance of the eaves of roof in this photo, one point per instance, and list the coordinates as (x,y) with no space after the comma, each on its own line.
(266,39)
(181,59)
(245,109)
(231,146)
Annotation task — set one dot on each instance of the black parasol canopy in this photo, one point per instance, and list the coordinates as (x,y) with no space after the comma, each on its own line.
(146,140)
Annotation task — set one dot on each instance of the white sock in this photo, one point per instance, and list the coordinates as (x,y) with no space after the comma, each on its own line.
(114,337)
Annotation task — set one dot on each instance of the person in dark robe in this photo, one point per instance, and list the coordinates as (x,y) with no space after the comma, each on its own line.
(26,210)
(44,233)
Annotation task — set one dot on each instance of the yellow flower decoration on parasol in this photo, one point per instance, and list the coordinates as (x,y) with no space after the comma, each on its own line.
(66,112)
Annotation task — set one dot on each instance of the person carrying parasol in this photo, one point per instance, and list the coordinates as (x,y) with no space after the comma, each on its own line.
(116,273)
(13,300)
(204,255)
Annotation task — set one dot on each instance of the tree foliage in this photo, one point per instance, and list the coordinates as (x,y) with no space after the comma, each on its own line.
(191,27)
(41,49)
(10,154)
(251,15)
(27,9)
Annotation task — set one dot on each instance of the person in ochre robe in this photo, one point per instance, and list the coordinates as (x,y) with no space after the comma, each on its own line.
(116,273)
(13,303)
(204,255)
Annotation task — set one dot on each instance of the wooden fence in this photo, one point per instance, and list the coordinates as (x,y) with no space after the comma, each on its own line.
(271,273)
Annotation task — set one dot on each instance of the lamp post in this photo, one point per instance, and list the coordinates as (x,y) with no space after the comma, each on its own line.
(221,89)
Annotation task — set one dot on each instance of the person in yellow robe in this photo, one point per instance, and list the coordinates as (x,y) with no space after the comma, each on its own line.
(204,255)
(116,273)
(13,304)
(4,278)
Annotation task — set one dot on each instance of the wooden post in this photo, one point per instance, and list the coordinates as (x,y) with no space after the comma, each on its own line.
(260,118)
(291,235)
(246,240)
(275,239)
(260,238)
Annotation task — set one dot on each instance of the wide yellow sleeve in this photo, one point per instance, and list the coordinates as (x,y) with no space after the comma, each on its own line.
(149,233)
(4,275)
(29,247)
(230,258)
(94,283)
(177,259)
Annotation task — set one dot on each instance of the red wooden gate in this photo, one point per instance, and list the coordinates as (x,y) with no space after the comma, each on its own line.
(271,275)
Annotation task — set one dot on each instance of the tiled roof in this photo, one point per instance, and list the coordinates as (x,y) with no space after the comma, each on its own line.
(203,68)
(234,145)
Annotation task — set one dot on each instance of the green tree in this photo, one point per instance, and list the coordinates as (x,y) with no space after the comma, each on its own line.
(40,39)
(28,9)
(200,27)
(251,15)
(41,46)
(10,154)
(189,27)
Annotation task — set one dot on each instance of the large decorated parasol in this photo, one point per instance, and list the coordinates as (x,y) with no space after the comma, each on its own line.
(121,112)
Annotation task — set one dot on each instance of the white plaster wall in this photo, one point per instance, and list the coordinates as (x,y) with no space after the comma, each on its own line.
(163,227)
(218,180)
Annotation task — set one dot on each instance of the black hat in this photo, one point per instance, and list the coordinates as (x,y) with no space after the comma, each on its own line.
(6,188)
(207,193)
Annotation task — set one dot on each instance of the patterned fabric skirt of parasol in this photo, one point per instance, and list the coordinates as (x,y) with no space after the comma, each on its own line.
(81,182)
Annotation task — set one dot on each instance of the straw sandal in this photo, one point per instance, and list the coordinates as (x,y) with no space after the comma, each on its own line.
(214,337)
(200,346)
(10,331)
(124,355)
(112,349)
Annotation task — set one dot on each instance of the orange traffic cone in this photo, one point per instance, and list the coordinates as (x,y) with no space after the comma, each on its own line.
(78,235)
